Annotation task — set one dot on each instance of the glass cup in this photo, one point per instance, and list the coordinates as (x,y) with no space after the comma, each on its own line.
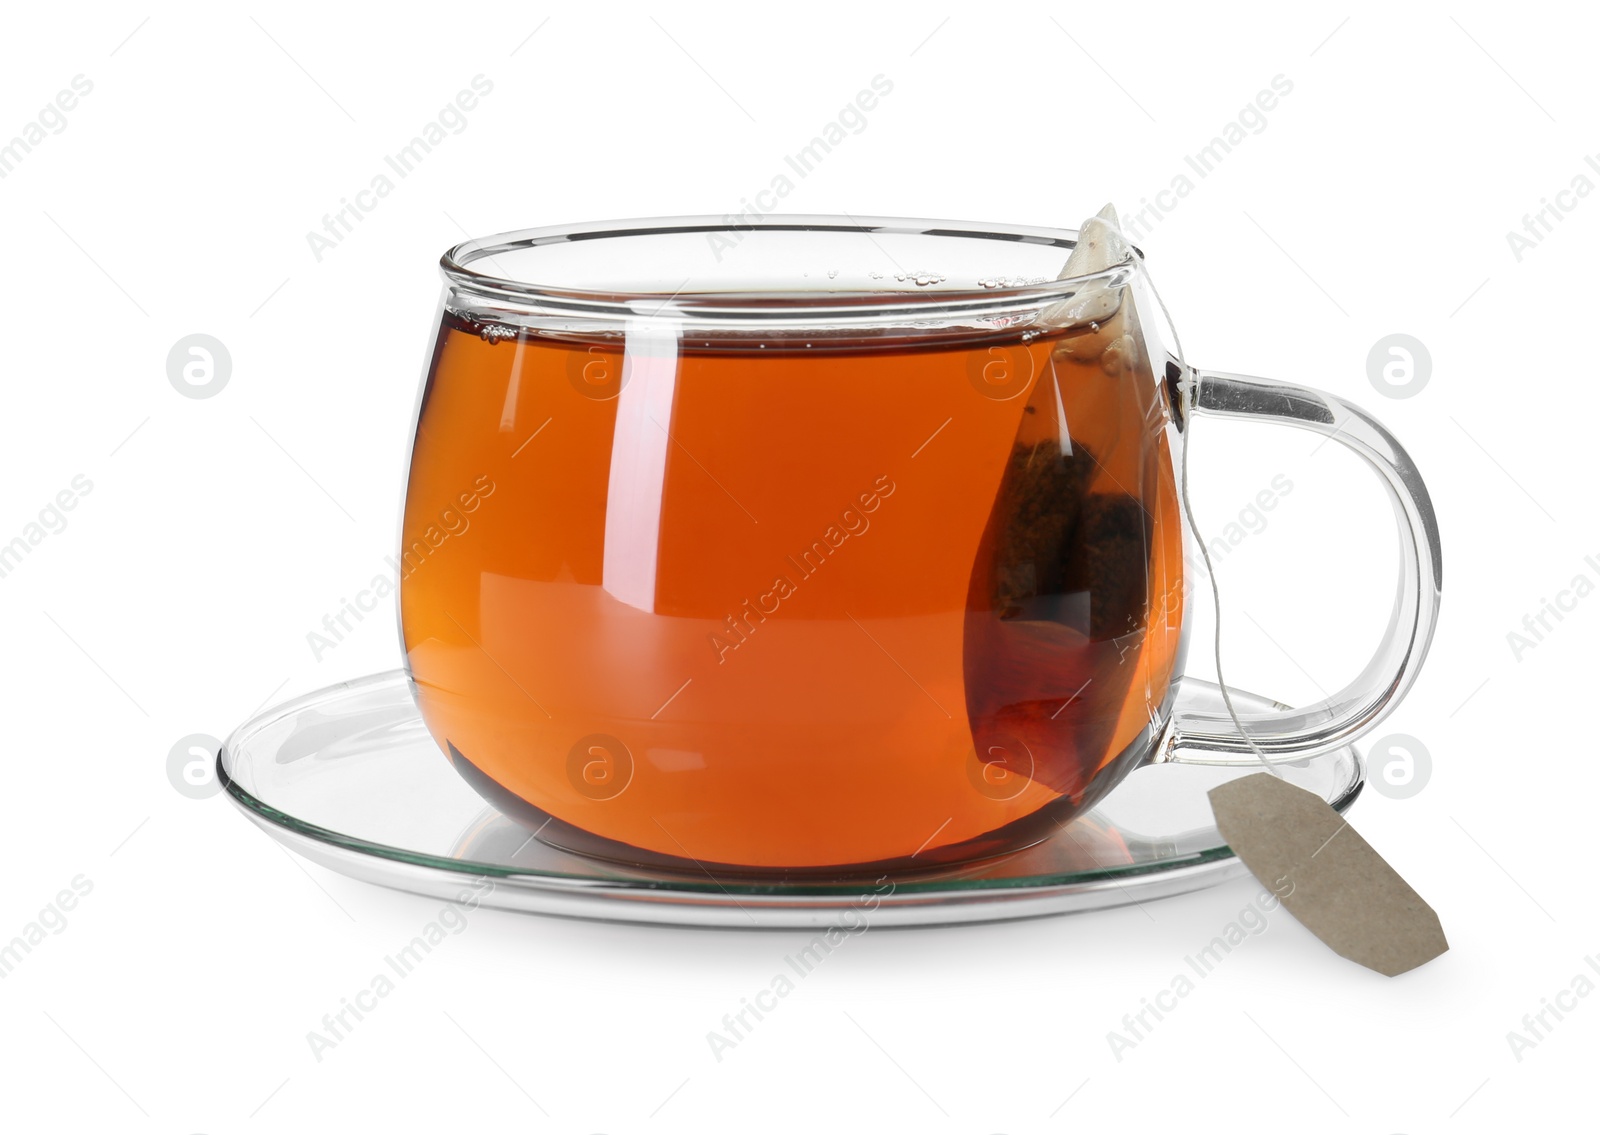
(816,544)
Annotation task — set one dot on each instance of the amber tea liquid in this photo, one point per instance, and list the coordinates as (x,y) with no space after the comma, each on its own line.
(766,604)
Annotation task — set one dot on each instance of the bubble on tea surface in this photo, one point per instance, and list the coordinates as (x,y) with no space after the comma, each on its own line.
(991,282)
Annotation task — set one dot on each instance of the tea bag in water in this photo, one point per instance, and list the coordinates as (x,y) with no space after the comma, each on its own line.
(1109,559)
(1065,583)
(1071,428)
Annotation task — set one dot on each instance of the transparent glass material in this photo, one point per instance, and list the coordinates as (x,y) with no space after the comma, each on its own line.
(821,546)
(350,778)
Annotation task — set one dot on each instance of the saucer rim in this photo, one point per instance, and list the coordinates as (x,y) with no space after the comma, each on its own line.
(642,903)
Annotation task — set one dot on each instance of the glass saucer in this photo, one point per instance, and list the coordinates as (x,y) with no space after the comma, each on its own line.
(350,778)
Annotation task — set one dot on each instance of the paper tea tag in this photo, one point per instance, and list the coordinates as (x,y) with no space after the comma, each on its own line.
(1326,874)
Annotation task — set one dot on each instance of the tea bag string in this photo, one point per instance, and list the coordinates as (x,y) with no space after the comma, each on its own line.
(1187,386)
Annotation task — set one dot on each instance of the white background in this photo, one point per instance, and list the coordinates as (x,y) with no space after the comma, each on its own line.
(219,531)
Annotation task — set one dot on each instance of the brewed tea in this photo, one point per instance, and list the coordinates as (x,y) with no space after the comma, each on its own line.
(779,603)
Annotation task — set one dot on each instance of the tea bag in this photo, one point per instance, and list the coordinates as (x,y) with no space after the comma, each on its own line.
(1110,557)
(1100,246)
(1044,579)
(1060,591)
(1052,473)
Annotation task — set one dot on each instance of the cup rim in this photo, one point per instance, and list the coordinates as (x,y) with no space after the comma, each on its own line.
(467,269)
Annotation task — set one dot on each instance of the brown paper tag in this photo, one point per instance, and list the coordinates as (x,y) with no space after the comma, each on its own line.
(1326,874)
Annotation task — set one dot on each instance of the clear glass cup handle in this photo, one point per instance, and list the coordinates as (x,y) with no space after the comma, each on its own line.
(1293,734)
